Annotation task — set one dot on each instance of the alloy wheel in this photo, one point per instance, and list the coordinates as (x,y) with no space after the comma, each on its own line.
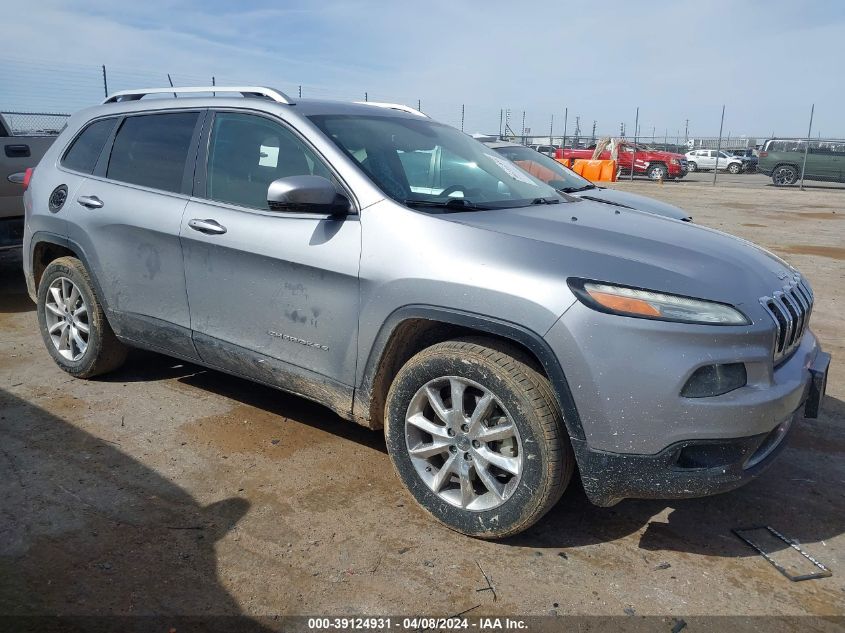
(784,176)
(463,443)
(67,319)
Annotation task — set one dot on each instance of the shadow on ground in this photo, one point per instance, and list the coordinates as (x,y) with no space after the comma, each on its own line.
(85,529)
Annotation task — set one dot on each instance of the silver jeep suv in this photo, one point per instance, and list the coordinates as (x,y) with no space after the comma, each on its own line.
(412,279)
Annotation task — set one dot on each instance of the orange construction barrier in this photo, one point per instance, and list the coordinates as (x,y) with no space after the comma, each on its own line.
(566,162)
(595,170)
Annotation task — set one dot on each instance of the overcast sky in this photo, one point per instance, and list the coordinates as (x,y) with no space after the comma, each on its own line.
(767,60)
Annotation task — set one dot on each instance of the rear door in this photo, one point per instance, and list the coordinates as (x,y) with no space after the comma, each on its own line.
(823,162)
(273,295)
(126,217)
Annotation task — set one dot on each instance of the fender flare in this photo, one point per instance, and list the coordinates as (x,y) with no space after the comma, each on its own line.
(59,240)
(529,339)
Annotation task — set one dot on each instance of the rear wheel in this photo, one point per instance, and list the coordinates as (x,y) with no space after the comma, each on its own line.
(784,175)
(72,322)
(475,434)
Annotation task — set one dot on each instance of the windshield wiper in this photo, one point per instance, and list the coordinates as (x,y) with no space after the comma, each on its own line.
(546,201)
(577,189)
(454,204)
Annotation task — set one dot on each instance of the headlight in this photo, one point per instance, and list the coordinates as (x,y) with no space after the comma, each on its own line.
(674,161)
(646,304)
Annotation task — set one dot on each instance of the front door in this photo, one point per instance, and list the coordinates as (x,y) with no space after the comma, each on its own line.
(273,295)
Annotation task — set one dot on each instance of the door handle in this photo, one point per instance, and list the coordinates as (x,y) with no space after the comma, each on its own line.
(210,227)
(91,202)
(17,151)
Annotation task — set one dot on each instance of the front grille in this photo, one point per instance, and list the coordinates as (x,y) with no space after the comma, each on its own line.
(790,309)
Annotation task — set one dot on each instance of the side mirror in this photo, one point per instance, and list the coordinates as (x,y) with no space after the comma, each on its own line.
(306,194)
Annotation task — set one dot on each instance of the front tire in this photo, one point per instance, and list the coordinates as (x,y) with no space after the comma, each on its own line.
(784,175)
(691,167)
(657,172)
(475,434)
(72,322)
(734,168)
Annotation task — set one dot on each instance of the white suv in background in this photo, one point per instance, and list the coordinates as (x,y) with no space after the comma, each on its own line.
(700,159)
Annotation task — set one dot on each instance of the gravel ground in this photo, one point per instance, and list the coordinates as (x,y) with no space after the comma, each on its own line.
(166,488)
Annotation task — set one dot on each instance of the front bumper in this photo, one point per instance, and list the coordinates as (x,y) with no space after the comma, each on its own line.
(641,439)
(683,470)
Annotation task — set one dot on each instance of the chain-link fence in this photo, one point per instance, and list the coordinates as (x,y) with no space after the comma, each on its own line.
(33,87)
(32,123)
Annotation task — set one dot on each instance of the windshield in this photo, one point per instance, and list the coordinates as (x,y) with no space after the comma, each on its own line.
(418,162)
(546,169)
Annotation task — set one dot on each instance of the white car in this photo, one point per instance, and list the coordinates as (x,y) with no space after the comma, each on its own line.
(700,159)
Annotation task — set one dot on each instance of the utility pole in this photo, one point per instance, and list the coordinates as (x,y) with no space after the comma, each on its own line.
(807,146)
(551,130)
(719,146)
(463,111)
(419,105)
(634,149)
(565,121)
(622,129)
(523,127)
(686,132)
(577,129)
(593,139)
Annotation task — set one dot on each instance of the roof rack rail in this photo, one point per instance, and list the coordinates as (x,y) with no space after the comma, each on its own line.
(394,106)
(247,91)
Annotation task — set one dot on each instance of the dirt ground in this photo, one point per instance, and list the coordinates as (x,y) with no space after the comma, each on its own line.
(166,488)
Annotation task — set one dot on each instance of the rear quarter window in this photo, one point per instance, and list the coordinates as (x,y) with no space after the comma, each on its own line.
(151,150)
(83,153)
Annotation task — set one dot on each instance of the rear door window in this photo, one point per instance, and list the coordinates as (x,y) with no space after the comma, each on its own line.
(151,150)
(86,148)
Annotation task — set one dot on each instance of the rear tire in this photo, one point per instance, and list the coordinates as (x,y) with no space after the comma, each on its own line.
(492,488)
(72,322)
(784,175)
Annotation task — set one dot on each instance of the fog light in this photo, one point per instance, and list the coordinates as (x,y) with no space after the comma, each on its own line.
(715,380)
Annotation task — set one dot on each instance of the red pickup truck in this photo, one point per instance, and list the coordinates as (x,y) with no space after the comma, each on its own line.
(655,164)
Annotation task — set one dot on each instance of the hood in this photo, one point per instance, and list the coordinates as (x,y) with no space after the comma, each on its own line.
(634,201)
(607,243)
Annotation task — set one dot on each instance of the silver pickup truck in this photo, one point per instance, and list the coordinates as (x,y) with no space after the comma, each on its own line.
(25,137)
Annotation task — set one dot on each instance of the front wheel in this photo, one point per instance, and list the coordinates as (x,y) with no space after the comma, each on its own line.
(657,172)
(72,322)
(734,168)
(691,167)
(784,175)
(476,435)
